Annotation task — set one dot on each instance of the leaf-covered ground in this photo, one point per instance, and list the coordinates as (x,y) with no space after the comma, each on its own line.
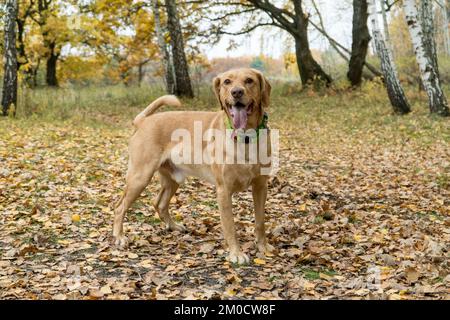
(359,210)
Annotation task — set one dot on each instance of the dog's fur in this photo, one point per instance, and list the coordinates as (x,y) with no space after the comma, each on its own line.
(149,152)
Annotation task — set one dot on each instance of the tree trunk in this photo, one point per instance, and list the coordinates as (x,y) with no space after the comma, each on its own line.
(167,65)
(395,91)
(34,74)
(387,36)
(52,60)
(140,73)
(310,71)
(446,15)
(9,96)
(182,79)
(430,76)
(426,21)
(360,43)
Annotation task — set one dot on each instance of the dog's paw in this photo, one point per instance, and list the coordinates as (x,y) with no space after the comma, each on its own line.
(177,227)
(120,242)
(265,248)
(238,258)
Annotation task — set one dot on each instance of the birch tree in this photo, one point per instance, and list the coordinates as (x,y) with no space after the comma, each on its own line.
(426,21)
(428,72)
(446,19)
(9,95)
(395,91)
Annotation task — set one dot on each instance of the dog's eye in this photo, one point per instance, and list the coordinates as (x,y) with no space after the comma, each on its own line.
(227,81)
(248,80)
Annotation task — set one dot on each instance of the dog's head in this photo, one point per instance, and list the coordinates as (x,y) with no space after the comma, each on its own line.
(244,94)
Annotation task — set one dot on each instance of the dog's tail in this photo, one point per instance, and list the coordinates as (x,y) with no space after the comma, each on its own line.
(154,106)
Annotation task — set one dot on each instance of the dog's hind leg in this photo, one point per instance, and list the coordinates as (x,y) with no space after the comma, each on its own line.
(168,189)
(136,181)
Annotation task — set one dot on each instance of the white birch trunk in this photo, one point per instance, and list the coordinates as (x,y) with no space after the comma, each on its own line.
(446,5)
(430,76)
(426,20)
(9,95)
(387,36)
(395,91)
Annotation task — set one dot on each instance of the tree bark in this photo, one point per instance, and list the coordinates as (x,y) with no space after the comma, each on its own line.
(52,61)
(360,42)
(387,36)
(426,21)
(446,15)
(395,91)
(140,74)
(9,95)
(429,74)
(183,82)
(310,71)
(167,64)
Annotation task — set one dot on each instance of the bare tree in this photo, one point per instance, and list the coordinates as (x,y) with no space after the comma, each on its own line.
(183,85)
(395,91)
(167,64)
(291,19)
(340,49)
(9,95)
(360,42)
(296,23)
(429,73)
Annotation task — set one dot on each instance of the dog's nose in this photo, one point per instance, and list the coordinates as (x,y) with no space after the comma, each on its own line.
(237,92)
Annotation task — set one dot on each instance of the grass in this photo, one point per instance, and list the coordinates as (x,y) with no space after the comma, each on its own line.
(312,274)
(356,113)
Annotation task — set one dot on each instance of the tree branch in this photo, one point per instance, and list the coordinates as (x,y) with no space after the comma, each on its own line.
(372,69)
(247,30)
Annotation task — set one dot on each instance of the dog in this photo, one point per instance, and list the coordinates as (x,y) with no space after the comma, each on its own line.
(243,95)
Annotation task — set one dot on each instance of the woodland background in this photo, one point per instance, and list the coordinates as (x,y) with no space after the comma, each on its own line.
(359,209)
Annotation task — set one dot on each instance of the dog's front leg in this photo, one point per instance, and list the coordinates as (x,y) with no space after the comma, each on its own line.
(259,192)
(227,219)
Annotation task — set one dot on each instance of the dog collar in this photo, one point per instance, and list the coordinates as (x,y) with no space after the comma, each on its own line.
(246,137)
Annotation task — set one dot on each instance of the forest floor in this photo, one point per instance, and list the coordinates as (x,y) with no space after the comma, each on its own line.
(359,209)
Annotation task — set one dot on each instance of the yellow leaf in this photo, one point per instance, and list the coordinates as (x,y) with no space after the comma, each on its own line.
(64,241)
(302,207)
(325,276)
(249,291)
(76,218)
(259,261)
(105,290)
(231,292)
(106,210)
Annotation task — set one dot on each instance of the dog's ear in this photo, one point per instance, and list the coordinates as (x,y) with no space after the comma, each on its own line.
(265,89)
(216,88)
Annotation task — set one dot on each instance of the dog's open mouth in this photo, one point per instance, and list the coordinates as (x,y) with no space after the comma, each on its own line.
(239,113)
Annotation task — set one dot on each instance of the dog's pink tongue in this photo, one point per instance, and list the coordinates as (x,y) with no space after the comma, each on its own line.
(239,117)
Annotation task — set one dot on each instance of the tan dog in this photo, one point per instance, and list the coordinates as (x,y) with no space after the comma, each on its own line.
(244,95)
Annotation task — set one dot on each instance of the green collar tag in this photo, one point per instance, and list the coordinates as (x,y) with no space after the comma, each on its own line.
(241,137)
